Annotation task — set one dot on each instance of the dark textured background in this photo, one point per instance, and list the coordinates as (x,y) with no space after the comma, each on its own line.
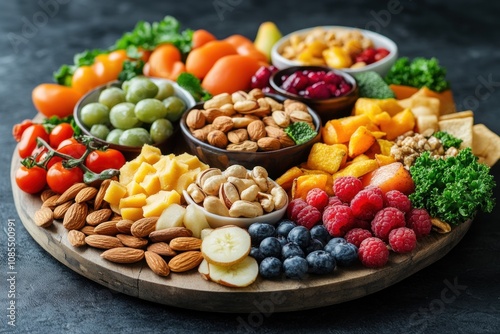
(51,298)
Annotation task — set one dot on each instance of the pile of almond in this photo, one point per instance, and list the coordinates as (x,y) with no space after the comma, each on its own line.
(90,222)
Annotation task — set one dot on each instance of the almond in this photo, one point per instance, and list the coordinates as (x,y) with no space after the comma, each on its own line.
(142,227)
(170,233)
(86,194)
(52,201)
(44,217)
(131,241)
(96,217)
(76,238)
(99,197)
(74,219)
(162,248)
(46,194)
(103,241)
(123,255)
(116,217)
(185,244)
(71,192)
(88,230)
(106,228)
(123,226)
(61,209)
(185,261)
(157,264)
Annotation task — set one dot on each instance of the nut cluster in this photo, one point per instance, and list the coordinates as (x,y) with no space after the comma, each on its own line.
(409,146)
(237,192)
(246,121)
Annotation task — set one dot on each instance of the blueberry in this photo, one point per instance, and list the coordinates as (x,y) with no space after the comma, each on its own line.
(270,246)
(314,245)
(295,267)
(321,233)
(292,249)
(332,243)
(300,235)
(320,262)
(283,240)
(346,254)
(284,227)
(270,267)
(260,231)
(256,254)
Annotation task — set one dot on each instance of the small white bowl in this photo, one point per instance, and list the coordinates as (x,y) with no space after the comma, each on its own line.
(381,67)
(217,221)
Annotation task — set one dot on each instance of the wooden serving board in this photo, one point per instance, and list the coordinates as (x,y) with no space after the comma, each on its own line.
(189,290)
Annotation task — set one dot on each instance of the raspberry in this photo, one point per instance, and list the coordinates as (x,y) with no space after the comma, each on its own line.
(346,187)
(334,200)
(373,252)
(294,207)
(364,224)
(402,240)
(356,235)
(386,220)
(338,219)
(318,198)
(308,216)
(367,203)
(419,221)
(398,200)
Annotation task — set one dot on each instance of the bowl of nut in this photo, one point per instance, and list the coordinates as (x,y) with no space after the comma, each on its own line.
(350,49)
(251,129)
(127,115)
(331,93)
(237,196)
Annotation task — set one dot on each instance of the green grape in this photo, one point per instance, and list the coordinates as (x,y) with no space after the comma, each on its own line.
(161,130)
(165,89)
(122,116)
(125,86)
(149,110)
(94,113)
(140,89)
(111,96)
(100,131)
(175,107)
(135,137)
(113,136)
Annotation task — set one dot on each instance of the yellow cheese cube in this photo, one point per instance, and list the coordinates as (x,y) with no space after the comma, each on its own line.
(192,161)
(131,213)
(128,170)
(186,179)
(151,184)
(143,170)
(171,173)
(134,188)
(164,160)
(151,154)
(115,192)
(160,201)
(134,201)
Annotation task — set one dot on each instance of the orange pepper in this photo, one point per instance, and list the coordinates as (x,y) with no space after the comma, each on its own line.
(165,62)
(84,79)
(245,47)
(200,60)
(107,67)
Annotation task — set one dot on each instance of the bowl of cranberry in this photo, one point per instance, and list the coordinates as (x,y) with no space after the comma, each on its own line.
(331,93)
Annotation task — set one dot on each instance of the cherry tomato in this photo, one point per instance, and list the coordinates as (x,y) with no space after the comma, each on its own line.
(106,68)
(55,100)
(31,180)
(60,179)
(39,152)
(75,150)
(18,129)
(98,160)
(68,141)
(60,133)
(28,139)
(84,79)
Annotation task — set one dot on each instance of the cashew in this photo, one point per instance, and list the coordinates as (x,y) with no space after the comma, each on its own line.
(236,171)
(196,193)
(259,175)
(214,205)
(266,201)
(212,184)
(241,184)
(202,176)
(250,193)
(246,209)
(280,197)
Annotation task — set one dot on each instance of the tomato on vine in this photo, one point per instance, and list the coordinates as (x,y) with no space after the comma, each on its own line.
(60,133)
(100,160)
(28,139)
(60,178)
(31,179)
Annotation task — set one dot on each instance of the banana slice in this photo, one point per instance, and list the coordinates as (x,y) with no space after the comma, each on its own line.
(226,246)
(238,275)
(204,270)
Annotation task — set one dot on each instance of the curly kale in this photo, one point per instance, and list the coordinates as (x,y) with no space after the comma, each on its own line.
(447,139)
(418,73)
(452,189)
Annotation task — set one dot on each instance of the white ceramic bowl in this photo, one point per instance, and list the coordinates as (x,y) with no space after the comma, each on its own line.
(381,67)
(217,221)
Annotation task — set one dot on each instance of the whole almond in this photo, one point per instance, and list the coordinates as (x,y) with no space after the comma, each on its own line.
(103,241)
(185,261)
(74,219)
(76,238)
(124,225)
(52,201)
(157,264)
(123,255)
(185,244)
(43,217)
(170,233)
(71,192)
(142,227)
(96,217)
(86,194)
(116,217)
(46,194)
(131,241)
(162,248)
(60,210)
(88,230)
(106,228)
(99,197)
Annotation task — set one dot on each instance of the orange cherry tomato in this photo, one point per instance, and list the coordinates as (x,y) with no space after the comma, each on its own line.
(104,70)
(55,100)
(200,60)
(201,37)
(162,61)
(84,79)
(245,47)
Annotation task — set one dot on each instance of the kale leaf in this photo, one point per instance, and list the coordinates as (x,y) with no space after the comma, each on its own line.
(418,73)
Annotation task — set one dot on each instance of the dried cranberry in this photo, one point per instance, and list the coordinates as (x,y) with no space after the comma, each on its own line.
(261,77)
(333,78)
(316,76)
(381,53)
(319,90)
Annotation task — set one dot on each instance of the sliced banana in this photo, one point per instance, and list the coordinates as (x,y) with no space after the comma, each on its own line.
(238,275)
(226,246)
(204,270)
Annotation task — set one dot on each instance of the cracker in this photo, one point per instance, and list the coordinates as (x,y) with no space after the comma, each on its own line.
(486,144)
(460,128)
(460,114)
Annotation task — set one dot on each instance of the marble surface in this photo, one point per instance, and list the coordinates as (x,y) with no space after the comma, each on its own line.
(460,293)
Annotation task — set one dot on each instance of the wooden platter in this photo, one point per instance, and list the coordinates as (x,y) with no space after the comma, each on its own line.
(189,290)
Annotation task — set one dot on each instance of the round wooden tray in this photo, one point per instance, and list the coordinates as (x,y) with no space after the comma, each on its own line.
(189,290)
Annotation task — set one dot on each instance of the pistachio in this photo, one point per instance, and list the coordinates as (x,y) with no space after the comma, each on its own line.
(204,175)
(212,184)
(228,194)
(245,106)
(275,105)
(300,116)
(239,96)
(237,171)
(256,94)
(281,118)
(218,101)
(196,193)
